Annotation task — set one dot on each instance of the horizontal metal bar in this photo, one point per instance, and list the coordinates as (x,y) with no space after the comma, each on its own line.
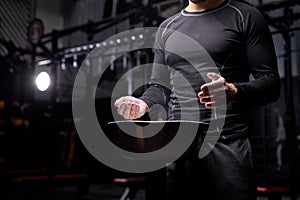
(286,30)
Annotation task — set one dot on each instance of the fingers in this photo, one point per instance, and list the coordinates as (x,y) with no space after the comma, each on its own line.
(129,110)
(215,84)
(213,76)
(121,109)
(120,101)
(212,94)
(216,99)
(129,107)
(214,103)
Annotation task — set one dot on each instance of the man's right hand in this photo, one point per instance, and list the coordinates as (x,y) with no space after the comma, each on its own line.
(130,107)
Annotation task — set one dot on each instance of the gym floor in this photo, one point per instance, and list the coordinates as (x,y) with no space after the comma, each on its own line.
(96,192)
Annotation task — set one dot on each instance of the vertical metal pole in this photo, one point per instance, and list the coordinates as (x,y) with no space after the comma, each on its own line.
(52,120)
(114,8)
(264,112)
(146,3)
(290,118)
(54,67)
(33,9)
(114,14)
(129,75)
(33,60)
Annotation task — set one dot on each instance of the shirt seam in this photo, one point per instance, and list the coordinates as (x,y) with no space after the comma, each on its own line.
(168,24)
(240,13)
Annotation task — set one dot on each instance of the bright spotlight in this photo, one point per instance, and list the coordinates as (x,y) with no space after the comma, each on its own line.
(42,81)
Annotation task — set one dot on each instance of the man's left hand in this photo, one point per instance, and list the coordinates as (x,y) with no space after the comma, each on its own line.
(211,93)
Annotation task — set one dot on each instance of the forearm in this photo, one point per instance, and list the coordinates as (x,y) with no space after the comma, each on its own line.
(156,94)
(260,91)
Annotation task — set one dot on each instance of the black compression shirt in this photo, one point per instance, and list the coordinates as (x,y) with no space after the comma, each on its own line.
(239,42)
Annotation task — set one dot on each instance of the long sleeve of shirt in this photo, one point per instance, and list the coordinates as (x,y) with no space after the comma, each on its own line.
(262,63)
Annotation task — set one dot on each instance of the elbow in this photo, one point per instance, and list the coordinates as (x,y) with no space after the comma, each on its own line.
(275,96)
(274,90)
(271,93)
(277,89)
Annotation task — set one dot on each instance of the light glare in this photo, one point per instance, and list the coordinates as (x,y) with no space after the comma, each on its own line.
(42,81)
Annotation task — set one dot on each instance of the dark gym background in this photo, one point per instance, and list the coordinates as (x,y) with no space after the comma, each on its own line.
(41,155)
